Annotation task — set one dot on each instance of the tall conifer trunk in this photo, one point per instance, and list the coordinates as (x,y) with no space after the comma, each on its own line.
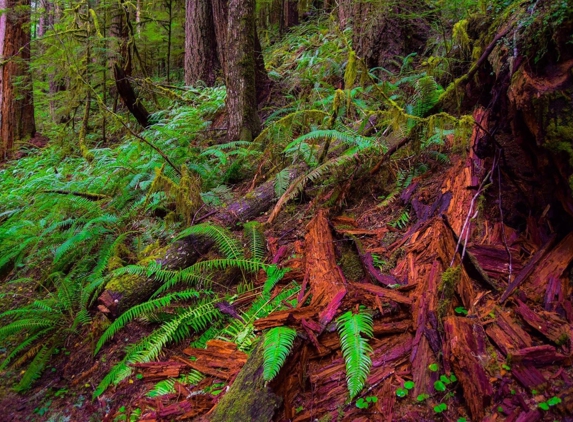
(16,98)
(201,62)
(244,122)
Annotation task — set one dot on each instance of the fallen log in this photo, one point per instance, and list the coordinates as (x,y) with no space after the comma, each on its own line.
(248,399)
(124,292)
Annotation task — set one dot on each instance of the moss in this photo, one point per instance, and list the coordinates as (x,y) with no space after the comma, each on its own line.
(351,265)
(447,288)
(124,284)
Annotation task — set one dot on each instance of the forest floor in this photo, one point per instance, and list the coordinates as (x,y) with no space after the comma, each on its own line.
(472,318)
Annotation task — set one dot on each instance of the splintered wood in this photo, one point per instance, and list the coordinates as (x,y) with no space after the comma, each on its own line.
(327,286)
(477,300)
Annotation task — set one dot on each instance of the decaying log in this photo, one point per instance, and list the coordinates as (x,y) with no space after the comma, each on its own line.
(538,356)
(527,270)
(466,343)
(327,284)
(124,292)
(550,324)
(507,335)
(248,399)
(554,264)
(220,359)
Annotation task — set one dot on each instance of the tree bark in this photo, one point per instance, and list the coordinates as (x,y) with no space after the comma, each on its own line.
(244,122)
(201,61)
(129,97)
(16,102)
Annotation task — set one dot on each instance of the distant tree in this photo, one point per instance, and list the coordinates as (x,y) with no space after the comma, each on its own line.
(201,61)
(16,100)
(244,122)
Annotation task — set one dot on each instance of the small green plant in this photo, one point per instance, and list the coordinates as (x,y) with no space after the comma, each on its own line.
(364,403)
(422,397)
(553,401)
(355,348)
(461,310)
(439,386)
(433,367)
(442,407)
(278,344)
(408,385)
(401,392)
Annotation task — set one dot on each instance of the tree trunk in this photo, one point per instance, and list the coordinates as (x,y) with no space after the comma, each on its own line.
(220,10)
(290,13)
(201,62)
(16,101)
(129,97)
(249,398)
(244,122)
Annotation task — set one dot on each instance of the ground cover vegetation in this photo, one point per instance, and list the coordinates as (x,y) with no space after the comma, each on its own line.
(286,210)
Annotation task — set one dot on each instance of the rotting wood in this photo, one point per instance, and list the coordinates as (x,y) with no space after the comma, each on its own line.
(325,279)
(528,269)
(248,399)
(465,344)
(550,324)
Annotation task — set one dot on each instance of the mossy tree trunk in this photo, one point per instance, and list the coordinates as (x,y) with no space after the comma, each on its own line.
(244,122)
(201,61)
(16,98)
(249,399)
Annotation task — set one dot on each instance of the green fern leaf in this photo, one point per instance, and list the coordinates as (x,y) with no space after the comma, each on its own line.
(227,244)
(278,344)
(355,348)
(256,240)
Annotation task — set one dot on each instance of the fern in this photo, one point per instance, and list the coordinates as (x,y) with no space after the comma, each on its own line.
(255,240)
(355,349)
(35,368)
(227,244)
(142,309)
(277,345)
(282,181)
(168,386)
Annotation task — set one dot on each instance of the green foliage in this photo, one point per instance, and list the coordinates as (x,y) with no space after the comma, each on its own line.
(168,386)
(364,403)
(277,345)
(355,348)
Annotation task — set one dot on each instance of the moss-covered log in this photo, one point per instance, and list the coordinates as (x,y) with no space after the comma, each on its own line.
(123,292)
(249,399)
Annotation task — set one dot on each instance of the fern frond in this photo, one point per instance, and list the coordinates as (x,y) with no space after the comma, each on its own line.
(355,348)
(278,344)
(142,309)
(35,369)
(274,275)
(282,181)
(23,346)
(255,240)
(225,241)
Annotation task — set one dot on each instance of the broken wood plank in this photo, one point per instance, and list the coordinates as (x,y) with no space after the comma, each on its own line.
(388,294)
(528,269)
(539,355)
(554,264)
(550,324)
(528,376)
(466,342)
